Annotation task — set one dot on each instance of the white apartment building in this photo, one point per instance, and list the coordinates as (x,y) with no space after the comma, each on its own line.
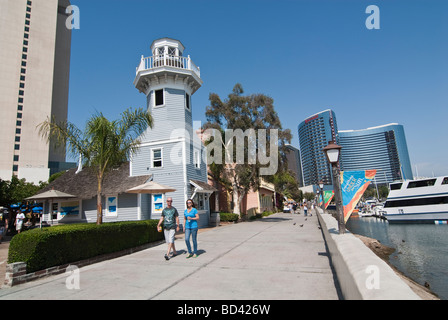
(34,79)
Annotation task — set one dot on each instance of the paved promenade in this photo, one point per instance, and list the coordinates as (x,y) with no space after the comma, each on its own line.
(278,257)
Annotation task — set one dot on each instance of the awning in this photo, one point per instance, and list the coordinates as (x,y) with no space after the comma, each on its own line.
(201,187)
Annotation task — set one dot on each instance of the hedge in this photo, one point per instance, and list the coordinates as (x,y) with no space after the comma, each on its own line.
(228,216)
(59,245)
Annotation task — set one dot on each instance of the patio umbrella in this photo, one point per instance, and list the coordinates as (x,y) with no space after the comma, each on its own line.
(50,195)
(151,187)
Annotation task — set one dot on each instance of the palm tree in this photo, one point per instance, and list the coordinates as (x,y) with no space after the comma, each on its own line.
(103,145)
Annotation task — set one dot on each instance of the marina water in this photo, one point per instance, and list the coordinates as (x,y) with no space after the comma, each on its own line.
(421,250)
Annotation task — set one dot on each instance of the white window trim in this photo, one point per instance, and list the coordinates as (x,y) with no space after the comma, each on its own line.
(164,98)
(152,157)
(107,212)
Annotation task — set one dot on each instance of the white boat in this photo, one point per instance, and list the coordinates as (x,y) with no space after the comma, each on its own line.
(418,201)
(368,209)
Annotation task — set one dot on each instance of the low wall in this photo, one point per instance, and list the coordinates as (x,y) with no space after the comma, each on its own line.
(362,275)
(16,272)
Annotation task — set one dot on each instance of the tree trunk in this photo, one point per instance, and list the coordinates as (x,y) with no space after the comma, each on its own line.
(240,200)
(99,205)
(236,203)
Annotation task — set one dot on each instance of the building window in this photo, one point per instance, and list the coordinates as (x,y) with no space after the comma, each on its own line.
(157,203)
(200,201)
(187,101)
(16,158)
(197,158)
(15,168)
(17,147)
(159,97)
(157,161)
(111,206)
(171,51)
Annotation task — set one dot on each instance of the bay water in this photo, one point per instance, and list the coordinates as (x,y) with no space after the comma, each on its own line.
(421,250)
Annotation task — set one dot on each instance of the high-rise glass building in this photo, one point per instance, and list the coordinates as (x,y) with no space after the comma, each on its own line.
(314,134)
(383,148)
(34,76)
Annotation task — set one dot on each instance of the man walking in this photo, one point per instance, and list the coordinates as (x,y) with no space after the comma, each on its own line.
(170,219)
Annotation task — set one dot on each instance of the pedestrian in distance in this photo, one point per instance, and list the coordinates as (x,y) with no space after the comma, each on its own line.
(20,217)
(191,228)
(3,225)
(305,209)
(170,219)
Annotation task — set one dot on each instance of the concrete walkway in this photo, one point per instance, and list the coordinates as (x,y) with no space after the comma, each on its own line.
(278,257)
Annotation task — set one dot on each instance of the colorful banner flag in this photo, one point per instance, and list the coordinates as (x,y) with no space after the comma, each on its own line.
(328,195)
(353,185)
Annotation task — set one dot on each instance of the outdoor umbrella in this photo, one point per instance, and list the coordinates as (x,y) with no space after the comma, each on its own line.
(151,187)
(50,195)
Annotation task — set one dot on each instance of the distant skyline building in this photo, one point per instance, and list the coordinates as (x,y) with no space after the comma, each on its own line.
(383,148)
(35,49)
(294,163)
(314,134)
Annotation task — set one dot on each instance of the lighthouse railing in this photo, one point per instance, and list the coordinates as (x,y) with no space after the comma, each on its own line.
(165,60)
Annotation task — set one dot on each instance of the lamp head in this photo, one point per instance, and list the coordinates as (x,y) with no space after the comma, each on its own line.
(332,151)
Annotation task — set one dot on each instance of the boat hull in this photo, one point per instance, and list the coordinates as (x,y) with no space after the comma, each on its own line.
(429,217)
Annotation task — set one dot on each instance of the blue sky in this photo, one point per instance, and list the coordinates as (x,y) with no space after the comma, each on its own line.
(307,55)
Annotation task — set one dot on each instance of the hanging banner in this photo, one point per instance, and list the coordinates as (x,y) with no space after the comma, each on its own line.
(328,196)
(353,186)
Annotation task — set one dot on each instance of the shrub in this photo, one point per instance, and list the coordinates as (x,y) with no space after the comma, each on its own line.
(228,217)
(59,245)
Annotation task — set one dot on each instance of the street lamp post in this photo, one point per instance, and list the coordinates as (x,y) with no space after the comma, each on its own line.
(332,151)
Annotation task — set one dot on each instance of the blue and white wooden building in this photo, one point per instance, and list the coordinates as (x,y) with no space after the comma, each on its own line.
(170,154)
(171,151)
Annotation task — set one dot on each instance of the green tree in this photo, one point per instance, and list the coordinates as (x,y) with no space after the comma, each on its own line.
(243,112)
(16,190)
(286,184)
(103,145)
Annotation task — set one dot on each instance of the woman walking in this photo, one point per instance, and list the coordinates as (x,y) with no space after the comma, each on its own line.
(191,228)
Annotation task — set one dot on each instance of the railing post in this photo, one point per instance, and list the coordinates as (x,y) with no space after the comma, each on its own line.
(189,63)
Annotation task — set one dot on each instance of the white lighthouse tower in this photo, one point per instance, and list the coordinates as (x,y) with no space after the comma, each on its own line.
(170,150)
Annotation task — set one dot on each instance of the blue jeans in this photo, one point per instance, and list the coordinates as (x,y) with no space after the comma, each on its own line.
(194,234)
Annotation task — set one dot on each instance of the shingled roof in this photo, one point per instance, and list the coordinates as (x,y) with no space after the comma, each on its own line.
(84,184)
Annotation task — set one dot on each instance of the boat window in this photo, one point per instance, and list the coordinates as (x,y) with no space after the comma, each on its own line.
(445,180)
(416,202)
(421,183)
(396,186)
